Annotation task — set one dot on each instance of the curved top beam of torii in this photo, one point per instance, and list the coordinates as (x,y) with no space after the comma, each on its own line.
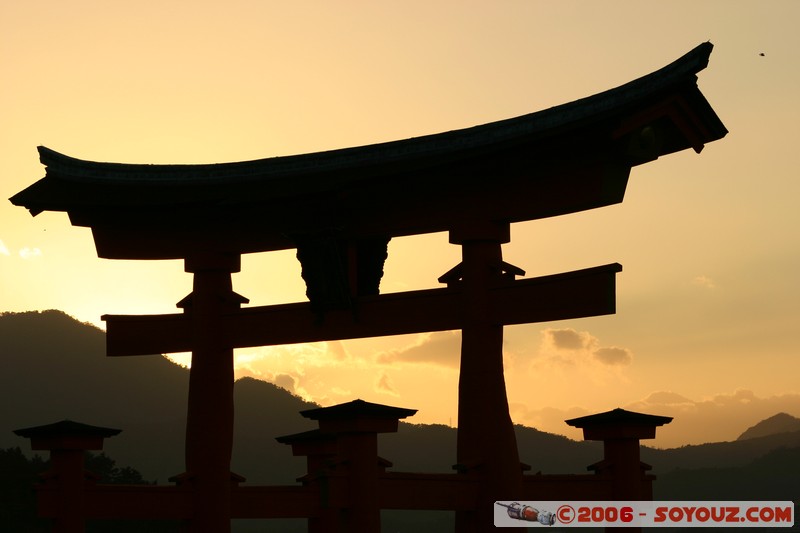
(568,158)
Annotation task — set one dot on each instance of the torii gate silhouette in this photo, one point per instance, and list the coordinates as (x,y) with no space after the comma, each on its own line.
(339,209)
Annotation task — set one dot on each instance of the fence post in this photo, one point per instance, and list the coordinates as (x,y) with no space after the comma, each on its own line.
(621,431)
(67,442)
(347,439)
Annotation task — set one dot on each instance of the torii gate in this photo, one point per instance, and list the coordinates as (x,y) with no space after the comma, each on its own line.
(339,209)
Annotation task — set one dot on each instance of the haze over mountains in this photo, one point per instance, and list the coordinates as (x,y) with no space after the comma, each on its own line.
(53,367)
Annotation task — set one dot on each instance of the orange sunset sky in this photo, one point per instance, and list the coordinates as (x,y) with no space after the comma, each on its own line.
(708,322)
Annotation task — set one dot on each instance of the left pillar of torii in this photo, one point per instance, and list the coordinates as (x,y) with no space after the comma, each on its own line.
(209,422)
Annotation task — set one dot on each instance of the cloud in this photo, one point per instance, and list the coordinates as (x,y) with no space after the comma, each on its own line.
(704,281)
(667,398)
(568,347)
(613,356)
(286,381)
(338,350)
(567,339)
(440,348)
(383,383)
(30,253)
(284,366)
(247,364)
(338,391)
(326,373)
(740,397)
(3,249)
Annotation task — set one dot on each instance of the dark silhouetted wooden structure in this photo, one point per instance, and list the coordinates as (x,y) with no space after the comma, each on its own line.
(346,482)
(339,209)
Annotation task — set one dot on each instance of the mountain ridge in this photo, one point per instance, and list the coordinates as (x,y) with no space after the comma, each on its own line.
(776,424)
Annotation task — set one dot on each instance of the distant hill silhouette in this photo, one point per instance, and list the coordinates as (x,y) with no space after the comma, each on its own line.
(53,367)
(718,454)
(775,476)
(774,425)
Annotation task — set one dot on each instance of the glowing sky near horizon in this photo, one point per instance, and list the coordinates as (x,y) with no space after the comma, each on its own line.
(707,318)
